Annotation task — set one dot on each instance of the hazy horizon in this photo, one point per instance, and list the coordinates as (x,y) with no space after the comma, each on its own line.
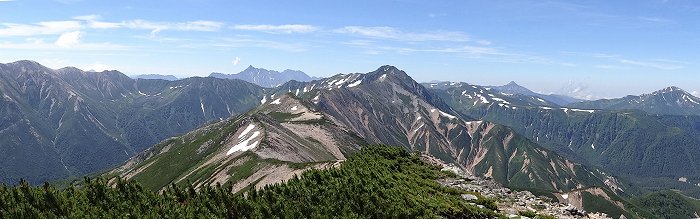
(598,49)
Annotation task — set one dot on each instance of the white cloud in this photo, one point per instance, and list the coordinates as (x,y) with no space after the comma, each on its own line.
(267,44)
(41,28)
(157,27)
(90,17)
(695,93)
(236,61)
(396,34)
(287,28)
(39,44)
(70,39)
(659,64)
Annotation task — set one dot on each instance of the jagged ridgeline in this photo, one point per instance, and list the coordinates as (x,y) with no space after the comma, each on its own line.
(371,184)
(67,122)
(623,136)
(301,125)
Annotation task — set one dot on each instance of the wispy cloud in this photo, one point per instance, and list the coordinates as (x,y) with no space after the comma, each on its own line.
(39,44)
(40,28)
(277,29)
(621,62)
(93,22)
(392,33)
(236,61)
(658,64)
(256,43)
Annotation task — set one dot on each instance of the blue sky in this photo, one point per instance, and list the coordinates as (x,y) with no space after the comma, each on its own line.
(595,48)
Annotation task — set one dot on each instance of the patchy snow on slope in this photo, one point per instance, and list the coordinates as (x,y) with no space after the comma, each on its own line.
(500,100)
(201,103)
(276,102)
(432,110)
(593,146)
(264,100)
(294,108)
(682,179)
(244,145)
(421,126)
(477,122)
(582,110)
(381,78)
(418,118)
(358,82)
(483,99)
(316,98)
(246,130)
(565,196)
(297,93)
(545,108)
(447,115)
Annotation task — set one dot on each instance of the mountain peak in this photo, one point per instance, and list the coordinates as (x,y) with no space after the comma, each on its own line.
(512,83)
(671,89)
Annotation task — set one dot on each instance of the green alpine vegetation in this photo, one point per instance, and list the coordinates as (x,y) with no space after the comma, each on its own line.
(669,204)
(371,184)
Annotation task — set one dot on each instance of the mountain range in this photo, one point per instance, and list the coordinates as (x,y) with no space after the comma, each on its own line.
(264,77)
(668,101)
(156,76)
(68,122)
(652,150)
(60,123)
(322,122)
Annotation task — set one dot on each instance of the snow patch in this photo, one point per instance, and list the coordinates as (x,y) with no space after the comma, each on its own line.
(447,115)
(582,110)
(500,100)
(201,103)
(421,126)
(358,82)
(565,196)
(276,102)
(418,118)
(244,146)
(483,99)
(593,146)
(470,122)
(682,179)
(432,110)
(294,108)
(545,108)
(246,130)
(384,77)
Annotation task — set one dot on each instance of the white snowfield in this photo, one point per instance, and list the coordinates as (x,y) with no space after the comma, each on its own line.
(276,102)
(353,84)
(245,145)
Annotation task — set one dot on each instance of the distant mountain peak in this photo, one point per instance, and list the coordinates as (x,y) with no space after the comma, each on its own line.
(512,83)
(670,90)
(264,77)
